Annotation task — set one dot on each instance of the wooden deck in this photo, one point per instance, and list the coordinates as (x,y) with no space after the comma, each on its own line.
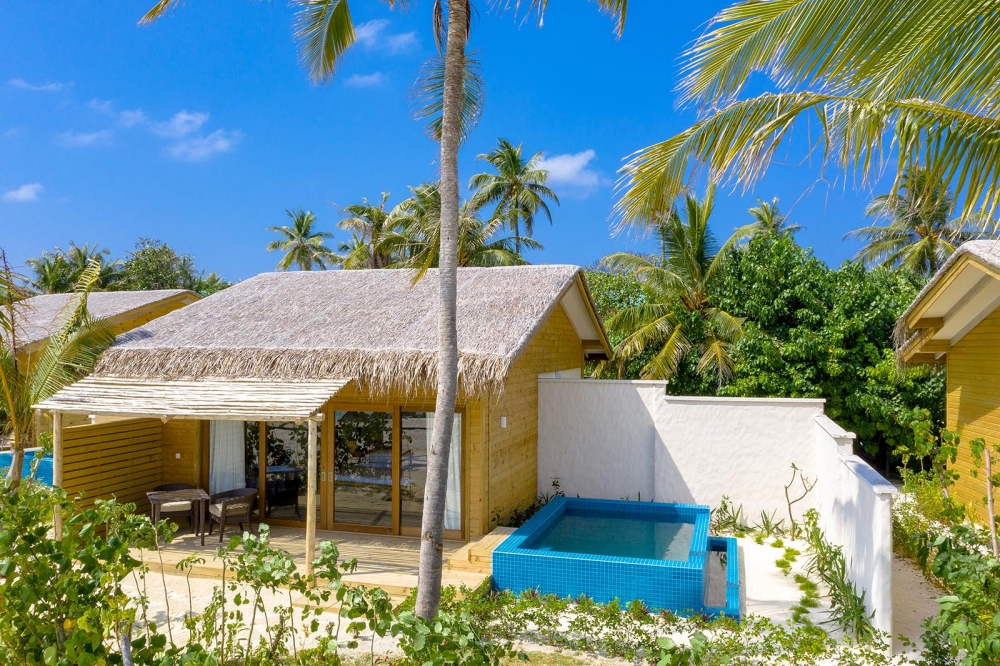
(389,562)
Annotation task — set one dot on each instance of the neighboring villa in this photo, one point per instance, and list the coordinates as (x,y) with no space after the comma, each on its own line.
(955,320)
(222,394)
(38,316)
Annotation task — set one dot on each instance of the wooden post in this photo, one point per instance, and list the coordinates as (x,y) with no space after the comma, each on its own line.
(991,515)
(57,468)
(311,500)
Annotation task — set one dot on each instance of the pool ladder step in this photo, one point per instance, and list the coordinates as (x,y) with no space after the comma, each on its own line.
(477,555)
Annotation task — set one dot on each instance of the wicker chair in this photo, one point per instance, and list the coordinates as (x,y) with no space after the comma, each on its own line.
(232,506)
(177,509)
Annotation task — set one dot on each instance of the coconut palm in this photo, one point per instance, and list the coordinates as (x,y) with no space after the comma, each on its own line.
(69,353)
(303,246)
(50,273)
(453,101)
(78,258)
(517,188)
(891,81)
(479,244)
(676,283)
(920,233)
(369,225)
(768,220)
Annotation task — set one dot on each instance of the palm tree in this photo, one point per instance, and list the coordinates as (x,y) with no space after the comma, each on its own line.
(921,233)
(891,81)
(768,220)
(69,353)
(325,31)
(369,225)
(517,188)
(676,282)
(50,273)
(303,247)
(418,241)
(78,258)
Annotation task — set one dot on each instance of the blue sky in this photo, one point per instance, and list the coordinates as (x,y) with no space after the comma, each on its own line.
(202,129)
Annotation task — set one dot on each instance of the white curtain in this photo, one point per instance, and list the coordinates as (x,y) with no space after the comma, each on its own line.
(227,456)
(453,499)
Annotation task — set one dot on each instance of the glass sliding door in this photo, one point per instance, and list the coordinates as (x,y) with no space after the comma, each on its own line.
(284,453)
(416,431)
(363,469)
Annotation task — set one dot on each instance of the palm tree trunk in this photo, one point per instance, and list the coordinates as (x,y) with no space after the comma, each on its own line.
(432,526)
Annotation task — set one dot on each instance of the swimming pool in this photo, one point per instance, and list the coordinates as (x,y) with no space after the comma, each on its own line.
(609,549)
(44,467)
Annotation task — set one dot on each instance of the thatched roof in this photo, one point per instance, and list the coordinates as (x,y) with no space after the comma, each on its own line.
(963,291)
(38,316)
(374,326)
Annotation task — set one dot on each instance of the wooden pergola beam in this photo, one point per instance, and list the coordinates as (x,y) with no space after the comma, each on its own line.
(57,468)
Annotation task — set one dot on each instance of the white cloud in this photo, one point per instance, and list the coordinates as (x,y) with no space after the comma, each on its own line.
(28,192)
(404,41)
(572,169)
(368,33)
(198,148)
(373,35)
(102,106)
(12,132)
(52,86)
(372,80)
(84,139)
(132,118)
(182,124)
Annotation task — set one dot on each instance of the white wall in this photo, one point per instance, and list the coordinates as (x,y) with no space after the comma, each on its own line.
(855,508)
(614,439)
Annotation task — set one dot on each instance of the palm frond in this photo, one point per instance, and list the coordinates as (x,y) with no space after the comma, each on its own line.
(737,143)
(428,95)
(325,31)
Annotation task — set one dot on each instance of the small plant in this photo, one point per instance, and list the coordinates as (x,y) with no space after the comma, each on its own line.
(785,566)
(777,543)
(982,457)
(520,515)
(759,538)
(806,489)
(847,607)
(728,519)
(768,526)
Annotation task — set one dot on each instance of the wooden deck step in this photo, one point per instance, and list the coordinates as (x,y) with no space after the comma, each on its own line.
(477,555)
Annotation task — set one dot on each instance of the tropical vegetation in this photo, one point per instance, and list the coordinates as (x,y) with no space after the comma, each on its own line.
(517,188)
(28,376)
(920,231)
(152,264)
(807,331)
(303,245)
(677,314)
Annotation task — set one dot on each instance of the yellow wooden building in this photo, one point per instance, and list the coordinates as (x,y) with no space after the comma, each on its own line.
(230,392)
(955,320)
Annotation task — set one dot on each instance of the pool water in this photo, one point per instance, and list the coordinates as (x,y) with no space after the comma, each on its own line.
(44,474)
(658,553)
(632,537)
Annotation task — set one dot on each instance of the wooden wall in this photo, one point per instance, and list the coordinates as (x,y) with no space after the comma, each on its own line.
(121,459)
(512,470)
(974,403)
(182,437)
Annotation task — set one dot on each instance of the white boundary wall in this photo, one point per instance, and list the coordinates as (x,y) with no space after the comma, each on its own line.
(616,439)
(855,509)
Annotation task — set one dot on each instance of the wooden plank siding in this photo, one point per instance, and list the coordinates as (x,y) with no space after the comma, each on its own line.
(513,451)
(121,459)
(973,405)
(182,437)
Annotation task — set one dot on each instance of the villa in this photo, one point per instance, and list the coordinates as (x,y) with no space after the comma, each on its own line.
(955,321)
(221,395)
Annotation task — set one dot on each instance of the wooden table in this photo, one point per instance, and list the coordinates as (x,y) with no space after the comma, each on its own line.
(157,498)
